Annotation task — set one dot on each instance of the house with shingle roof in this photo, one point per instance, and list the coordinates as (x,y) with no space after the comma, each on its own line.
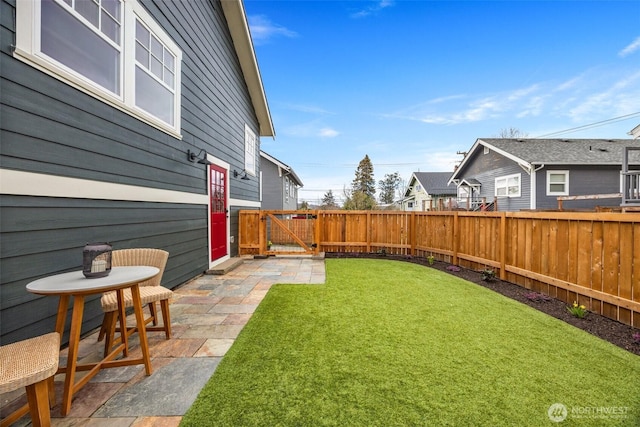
(428,191)
(532,173)
(280,184)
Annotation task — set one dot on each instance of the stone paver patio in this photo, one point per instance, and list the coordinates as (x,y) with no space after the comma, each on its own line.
(207,315)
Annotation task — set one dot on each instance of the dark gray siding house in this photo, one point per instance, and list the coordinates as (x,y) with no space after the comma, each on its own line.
(98,116)
(280,184)
(532,173)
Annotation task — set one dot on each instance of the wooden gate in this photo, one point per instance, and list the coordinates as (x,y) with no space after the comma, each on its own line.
(288,232)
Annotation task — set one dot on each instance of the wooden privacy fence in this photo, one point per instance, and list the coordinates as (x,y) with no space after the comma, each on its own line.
(591,258)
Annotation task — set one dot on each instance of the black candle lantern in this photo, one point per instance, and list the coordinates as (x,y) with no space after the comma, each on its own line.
(96,260)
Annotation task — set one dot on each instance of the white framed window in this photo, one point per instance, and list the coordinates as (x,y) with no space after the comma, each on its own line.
(557,183)
(249,150)
(112,50)
(286,189)
(486,150)
(508,186)
(463,192)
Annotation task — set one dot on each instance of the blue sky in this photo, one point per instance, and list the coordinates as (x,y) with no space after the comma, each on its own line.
(410,83)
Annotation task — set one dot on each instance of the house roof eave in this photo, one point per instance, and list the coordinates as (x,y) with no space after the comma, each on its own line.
(236,17)
(409,186)
(454,177)
(525,164)
(480,142)
(288,169)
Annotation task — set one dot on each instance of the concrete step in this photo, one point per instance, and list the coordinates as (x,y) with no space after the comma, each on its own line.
(225,267)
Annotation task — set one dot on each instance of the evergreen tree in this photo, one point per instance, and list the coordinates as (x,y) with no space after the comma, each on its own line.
(388,187)
(364,181)
(328,201)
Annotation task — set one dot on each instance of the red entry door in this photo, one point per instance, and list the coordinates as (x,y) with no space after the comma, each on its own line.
(218,212)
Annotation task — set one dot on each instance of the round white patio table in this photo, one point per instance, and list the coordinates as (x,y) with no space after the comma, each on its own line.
(74,284)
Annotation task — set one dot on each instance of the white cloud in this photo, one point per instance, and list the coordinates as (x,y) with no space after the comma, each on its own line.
(328,133)
(310,129)
(473,109)
(569,84)
(533,107)
(617,99)
(592,95)
(262,29)
(480,109)
(445,99)
(628,50)
(374,8)
(307,109)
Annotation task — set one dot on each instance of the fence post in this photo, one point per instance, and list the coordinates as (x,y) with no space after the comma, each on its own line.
(316,232)
(368,231)
(262,232)
(454,249)
(412,234)
(503,245)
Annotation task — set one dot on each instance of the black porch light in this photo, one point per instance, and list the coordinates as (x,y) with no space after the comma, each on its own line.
(244,175)
(193,157)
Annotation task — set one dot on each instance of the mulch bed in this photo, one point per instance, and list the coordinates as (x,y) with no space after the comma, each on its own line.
(607,329)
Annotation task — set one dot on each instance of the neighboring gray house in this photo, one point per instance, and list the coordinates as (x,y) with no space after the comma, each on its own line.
(532,173)
(428,191)
(635,132)
(122,124)
(280,184)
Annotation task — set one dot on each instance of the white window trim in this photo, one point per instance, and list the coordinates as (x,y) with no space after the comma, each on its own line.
(506,178)
(250,138)
(28,50)
(566,183)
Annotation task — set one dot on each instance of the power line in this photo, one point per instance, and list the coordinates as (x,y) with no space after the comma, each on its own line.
(324,165)
(591,125)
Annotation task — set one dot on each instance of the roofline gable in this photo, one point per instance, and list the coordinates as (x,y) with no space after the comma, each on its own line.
(479,142)
(409,186)
(508,155)
(283,166)
(236,17)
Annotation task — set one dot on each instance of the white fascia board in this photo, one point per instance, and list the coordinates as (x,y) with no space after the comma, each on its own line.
(274,160)
(238,25)
(409,186)
(464,162)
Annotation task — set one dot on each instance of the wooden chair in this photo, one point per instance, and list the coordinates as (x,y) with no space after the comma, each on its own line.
(31,363)
(150,292)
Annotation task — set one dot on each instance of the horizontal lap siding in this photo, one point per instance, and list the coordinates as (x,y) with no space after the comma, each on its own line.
(48,127)
(43,236)
(487,167)
(216,101)
(272,186)
(583,180)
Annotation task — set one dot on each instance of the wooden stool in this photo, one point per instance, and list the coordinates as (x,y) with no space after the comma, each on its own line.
(32,364)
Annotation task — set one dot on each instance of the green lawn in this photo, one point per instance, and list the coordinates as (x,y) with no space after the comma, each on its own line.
(387,343)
